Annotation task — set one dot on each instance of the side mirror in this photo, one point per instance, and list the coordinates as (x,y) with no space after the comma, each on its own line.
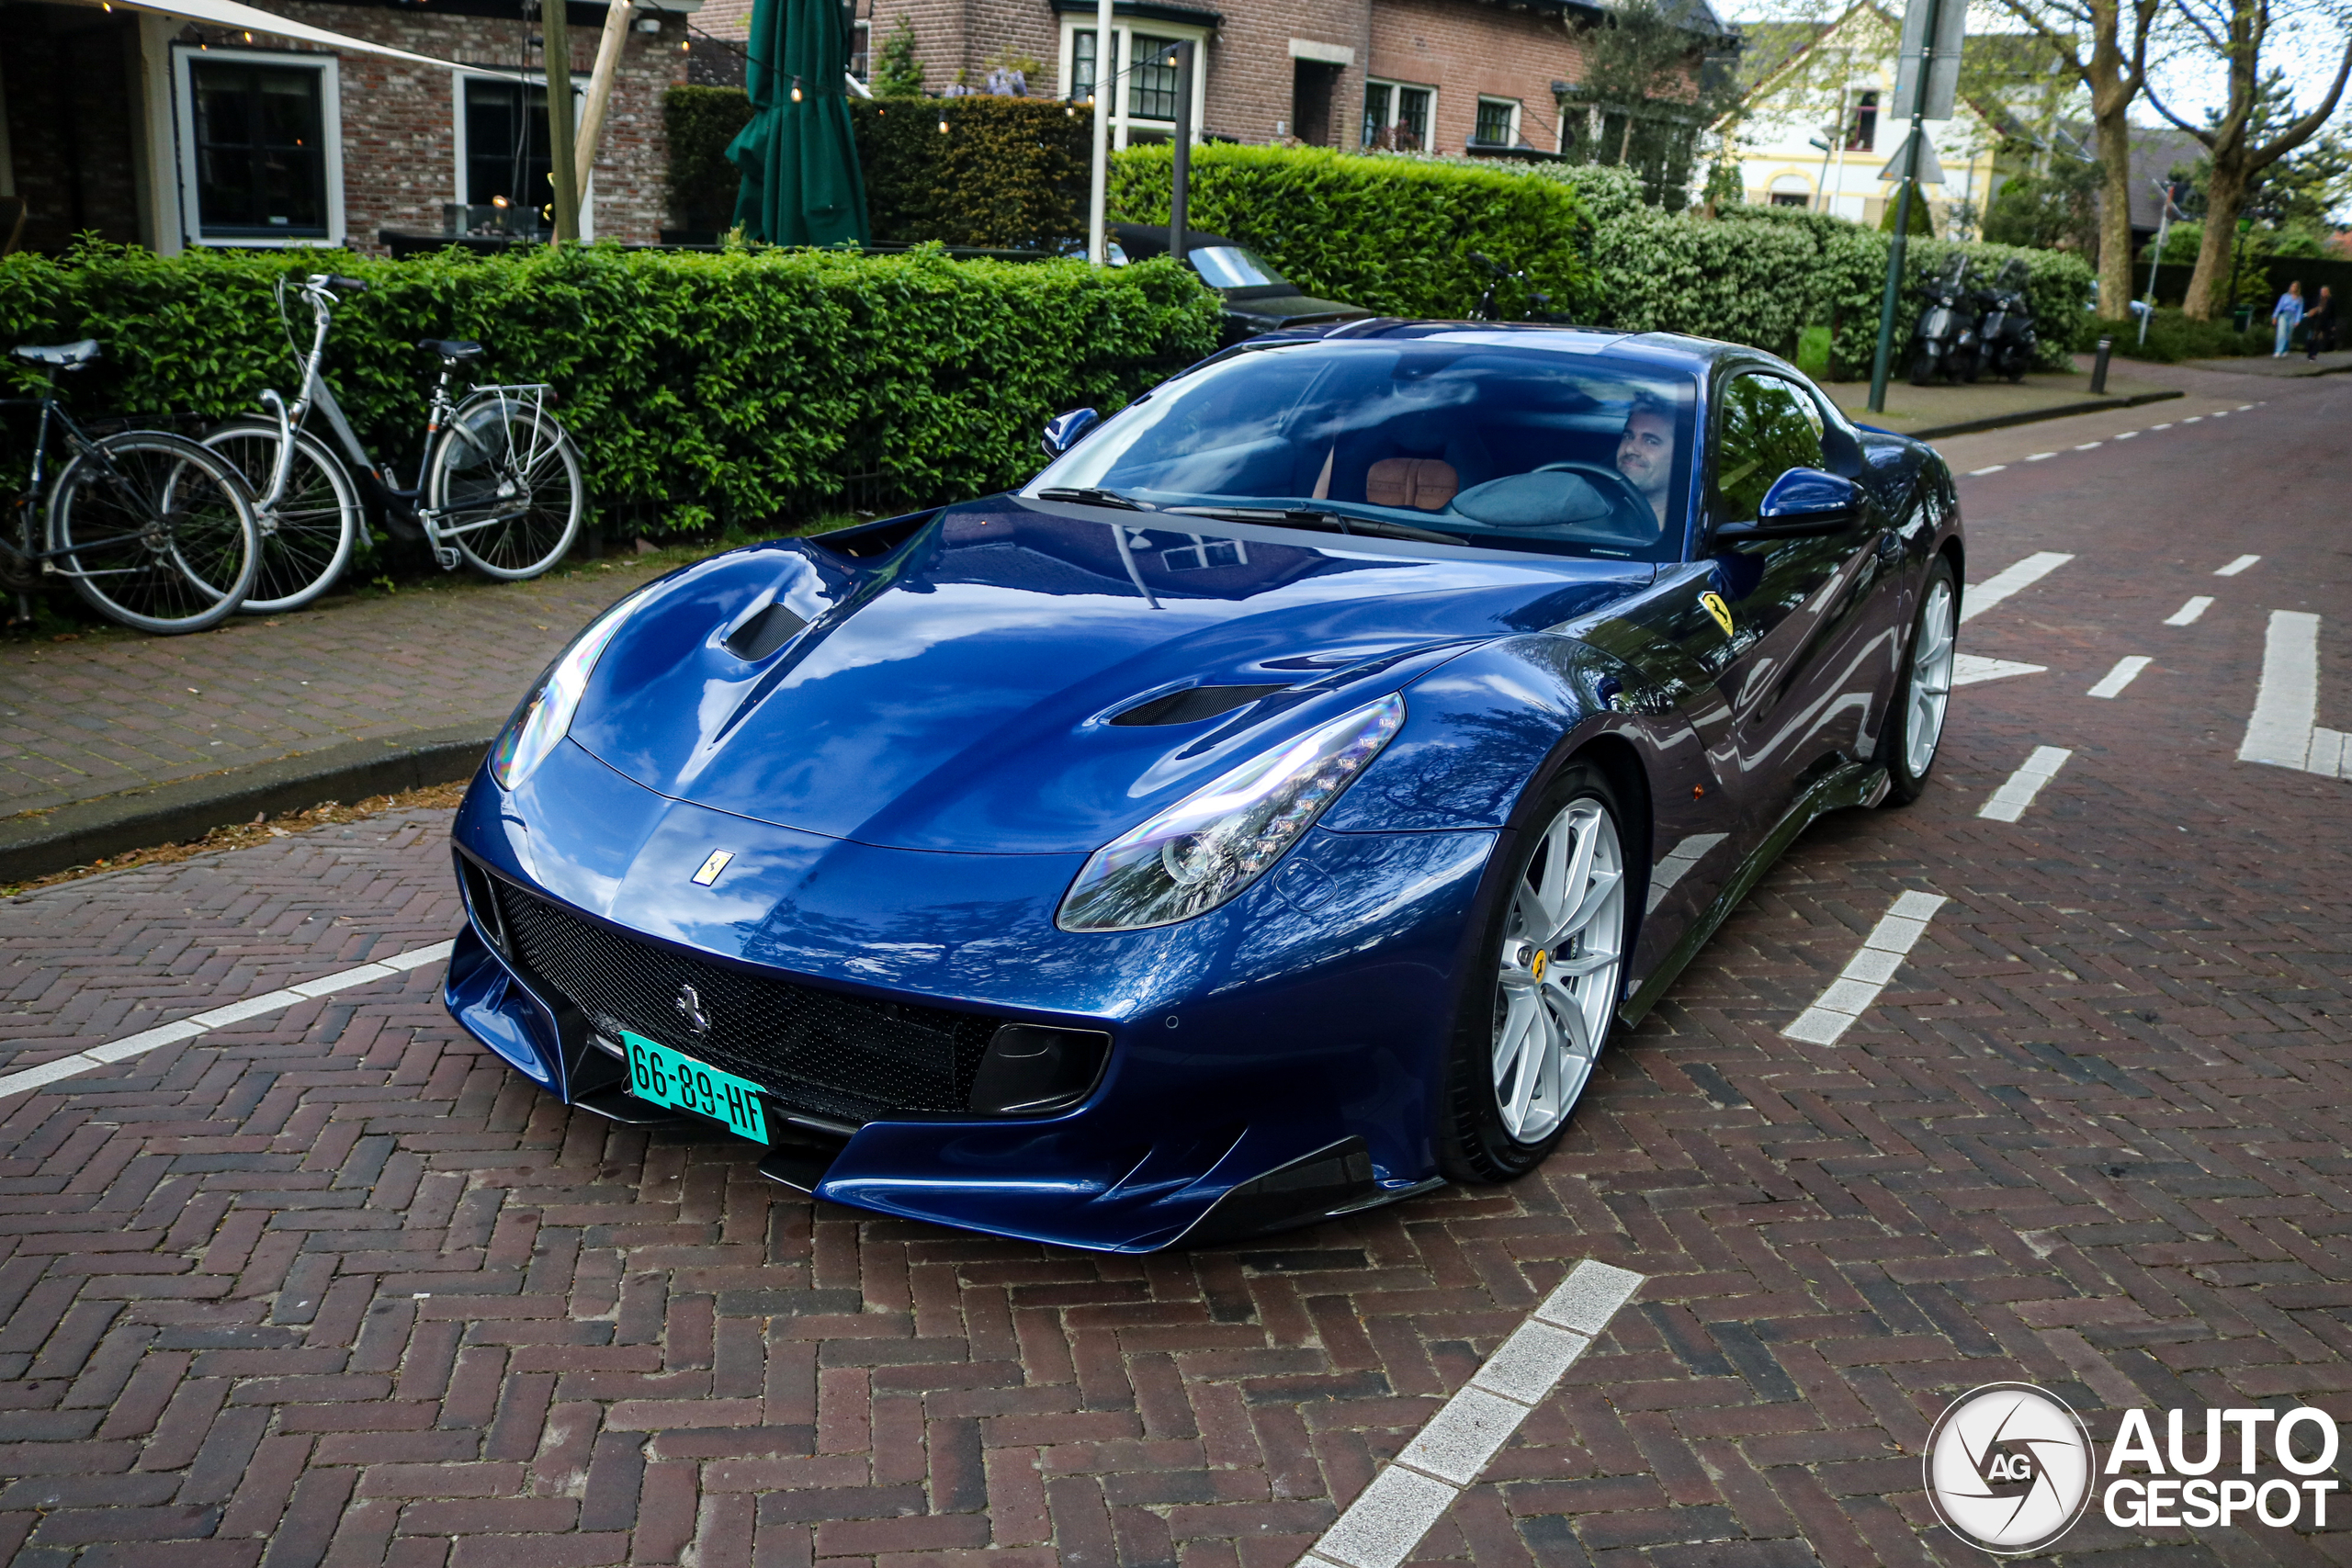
(1066,430)
(1804,503)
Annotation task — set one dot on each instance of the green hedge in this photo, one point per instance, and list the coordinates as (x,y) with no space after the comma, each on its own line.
(1393,234)
(744,387)
(699,123)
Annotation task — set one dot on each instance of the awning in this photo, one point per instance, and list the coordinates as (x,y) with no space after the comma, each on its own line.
(253,18)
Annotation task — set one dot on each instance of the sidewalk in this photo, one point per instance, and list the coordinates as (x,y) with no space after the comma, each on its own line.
(1947,410)
(119,740)
(2295,364)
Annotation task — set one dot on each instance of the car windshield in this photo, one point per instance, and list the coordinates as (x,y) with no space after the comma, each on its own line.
(1230,267)
(1470,442)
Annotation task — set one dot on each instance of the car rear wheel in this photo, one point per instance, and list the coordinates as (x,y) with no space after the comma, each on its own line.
(1916,726)
(1540,1002)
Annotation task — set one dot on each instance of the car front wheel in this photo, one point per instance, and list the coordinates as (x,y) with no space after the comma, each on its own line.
(1916,727)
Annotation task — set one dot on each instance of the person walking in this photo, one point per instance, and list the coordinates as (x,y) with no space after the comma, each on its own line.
(2320,325)
(2284,315)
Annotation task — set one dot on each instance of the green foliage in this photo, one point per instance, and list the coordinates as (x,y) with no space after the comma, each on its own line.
(1009,172)
(2173,337)
(1921,223)
(897,73)
(2047,211)
(755,385)
(1392,233)
(1647,85)
(700,122)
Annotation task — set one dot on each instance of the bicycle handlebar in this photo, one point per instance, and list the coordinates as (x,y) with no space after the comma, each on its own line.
(337,281)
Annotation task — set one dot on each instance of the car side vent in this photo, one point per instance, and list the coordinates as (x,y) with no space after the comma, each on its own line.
(1194,703)
(765,632)
(872,541)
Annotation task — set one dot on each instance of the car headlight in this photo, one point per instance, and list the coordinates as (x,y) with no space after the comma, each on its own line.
(1220,839)
(546,715)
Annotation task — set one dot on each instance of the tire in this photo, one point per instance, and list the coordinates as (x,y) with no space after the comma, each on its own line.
(1914,726)
(307,541)
(1527,1033)
(1966,368)
(156,532)
(1923,367)
(504,481)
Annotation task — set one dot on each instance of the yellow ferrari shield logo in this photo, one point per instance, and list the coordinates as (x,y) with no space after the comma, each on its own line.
(1717,608)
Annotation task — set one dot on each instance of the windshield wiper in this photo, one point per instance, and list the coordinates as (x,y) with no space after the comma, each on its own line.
(1092,496)
(1329,522)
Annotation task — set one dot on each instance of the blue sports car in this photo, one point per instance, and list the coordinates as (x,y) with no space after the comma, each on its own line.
(1267,812)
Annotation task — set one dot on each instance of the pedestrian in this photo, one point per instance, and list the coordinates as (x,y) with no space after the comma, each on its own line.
(2320,325)
(2284,315)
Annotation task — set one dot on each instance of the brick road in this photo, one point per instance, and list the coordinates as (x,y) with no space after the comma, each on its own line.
(333,1286)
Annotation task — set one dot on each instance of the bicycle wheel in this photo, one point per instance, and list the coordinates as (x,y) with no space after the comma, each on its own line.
(306,540)
(155,531)
(504,482)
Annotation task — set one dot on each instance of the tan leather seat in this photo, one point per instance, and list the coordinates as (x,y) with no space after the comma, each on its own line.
(1423,483)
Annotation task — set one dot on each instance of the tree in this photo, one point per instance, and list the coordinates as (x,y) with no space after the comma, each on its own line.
(897,73)
(2254,129)
(1655,72)
(2053,212)
(2115,69)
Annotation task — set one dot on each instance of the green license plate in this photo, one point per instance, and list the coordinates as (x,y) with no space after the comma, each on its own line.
(675,1079)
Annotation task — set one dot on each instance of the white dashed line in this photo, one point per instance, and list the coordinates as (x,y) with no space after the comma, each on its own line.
(2243,407)
(2041,456)
(2087,446)
(1983,596)
(220,1016)
(1968,669)
(2237,565)
(2126,436)
(1678,860)
(1411,1492)
(1994,468)
(2285,705)
(2218,413)
(1866,974)
(2126,671)
(2187,615)
(2192,418)
(2166,425)
(2009,801)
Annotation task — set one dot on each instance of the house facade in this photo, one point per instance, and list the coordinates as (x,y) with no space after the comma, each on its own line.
(172,134)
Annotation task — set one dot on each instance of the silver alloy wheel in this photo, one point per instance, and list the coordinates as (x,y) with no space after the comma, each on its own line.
(1563,947)
(1932,651)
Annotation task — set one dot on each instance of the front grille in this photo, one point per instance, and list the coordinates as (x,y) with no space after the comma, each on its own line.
(829,1055)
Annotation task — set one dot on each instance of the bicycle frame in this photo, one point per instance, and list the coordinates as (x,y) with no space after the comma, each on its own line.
(83,443)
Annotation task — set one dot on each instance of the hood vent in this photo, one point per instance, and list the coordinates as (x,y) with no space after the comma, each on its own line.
(763,632)
(1194,703)
(872,541)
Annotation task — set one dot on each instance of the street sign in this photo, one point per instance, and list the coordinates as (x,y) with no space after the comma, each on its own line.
(1951,23)
(1931,172)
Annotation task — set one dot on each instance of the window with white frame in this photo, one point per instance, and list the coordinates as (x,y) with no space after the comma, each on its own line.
(261,146)
(1143,98)
(501,137)
(1497,122)
(1398,115)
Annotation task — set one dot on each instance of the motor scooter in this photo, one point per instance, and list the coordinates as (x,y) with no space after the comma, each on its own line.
(2009,346)
(1944,340)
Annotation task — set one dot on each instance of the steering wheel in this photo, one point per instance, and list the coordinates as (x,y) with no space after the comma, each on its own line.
(1629,508)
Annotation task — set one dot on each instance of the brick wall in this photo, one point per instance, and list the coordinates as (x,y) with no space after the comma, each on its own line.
(66,74)
(1469,51)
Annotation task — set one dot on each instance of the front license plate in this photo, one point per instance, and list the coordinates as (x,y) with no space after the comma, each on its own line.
(675,1079)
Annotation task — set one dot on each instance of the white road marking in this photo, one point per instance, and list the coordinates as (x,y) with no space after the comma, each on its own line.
(1678,860)
(2243,407)
(2192,418)
(204,1022)
(2126,436)
(1983,596)
(2087,446)
(2126,671)
(2331,756)
(1412,1491)
(1994,469)
(2218,413)
(2187,615)
(2285,705)
(1866,974)
(2041,456)
(2237,565)
(1968,669)
(2009,801)
(2166,425)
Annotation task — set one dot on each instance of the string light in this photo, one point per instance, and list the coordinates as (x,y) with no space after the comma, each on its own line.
(796,89)
(943,122)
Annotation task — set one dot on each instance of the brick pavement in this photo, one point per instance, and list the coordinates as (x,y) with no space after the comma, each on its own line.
(337,1288)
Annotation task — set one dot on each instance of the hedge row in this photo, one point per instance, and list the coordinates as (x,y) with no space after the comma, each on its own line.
(741,388)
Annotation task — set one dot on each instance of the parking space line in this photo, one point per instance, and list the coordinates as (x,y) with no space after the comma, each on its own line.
(1851,994)
(2237,565)
(1968,669)
(2286,703)
(2187,615)
(2126,671)
(1412,1491)
(2009,801)
(140,1045)
(2009,580)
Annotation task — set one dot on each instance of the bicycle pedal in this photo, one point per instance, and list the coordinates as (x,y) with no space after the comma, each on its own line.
(447,556)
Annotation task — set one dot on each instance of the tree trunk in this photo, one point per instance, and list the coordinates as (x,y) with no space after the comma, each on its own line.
(2208,285)
(2113,135)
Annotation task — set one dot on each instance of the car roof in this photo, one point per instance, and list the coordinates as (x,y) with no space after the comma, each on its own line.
(1665,350)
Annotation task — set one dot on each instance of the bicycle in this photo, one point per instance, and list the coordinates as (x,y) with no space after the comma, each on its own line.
(150,528)
(499,486)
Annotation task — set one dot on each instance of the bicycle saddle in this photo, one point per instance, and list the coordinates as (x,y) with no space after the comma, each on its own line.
(452,347)
(65,356)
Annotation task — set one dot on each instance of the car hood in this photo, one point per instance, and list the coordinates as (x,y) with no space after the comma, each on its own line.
(955,689)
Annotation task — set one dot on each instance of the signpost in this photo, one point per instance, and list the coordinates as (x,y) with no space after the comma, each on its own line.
(1927,82)
(1096,252)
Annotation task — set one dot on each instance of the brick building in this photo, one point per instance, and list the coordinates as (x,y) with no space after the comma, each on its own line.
(167,133)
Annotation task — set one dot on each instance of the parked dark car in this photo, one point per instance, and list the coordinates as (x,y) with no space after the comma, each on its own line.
(1257,297)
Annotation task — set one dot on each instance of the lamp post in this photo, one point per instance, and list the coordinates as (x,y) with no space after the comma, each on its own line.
(1096,197)
(1823,142)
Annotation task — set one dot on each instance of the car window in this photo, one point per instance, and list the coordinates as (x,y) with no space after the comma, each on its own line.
(1230,267)
(1485,444)
(1765,428)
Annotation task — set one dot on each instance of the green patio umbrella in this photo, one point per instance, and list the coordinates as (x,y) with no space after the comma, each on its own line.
(799,159)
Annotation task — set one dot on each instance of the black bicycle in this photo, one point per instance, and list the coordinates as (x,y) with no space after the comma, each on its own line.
(150,528)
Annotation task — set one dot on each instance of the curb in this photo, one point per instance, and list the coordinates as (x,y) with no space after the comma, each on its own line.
(2035,416)
(85,830)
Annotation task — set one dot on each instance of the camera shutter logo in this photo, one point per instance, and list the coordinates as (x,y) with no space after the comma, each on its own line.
(2009,1468)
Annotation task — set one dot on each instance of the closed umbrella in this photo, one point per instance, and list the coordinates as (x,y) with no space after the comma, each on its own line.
(798,156)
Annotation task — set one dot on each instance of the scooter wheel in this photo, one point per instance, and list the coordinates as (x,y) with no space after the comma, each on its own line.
(1923,368)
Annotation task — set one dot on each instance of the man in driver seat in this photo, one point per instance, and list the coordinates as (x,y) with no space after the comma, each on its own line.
(1646,451)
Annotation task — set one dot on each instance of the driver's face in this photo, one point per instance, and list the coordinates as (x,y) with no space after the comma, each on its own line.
(1645,455)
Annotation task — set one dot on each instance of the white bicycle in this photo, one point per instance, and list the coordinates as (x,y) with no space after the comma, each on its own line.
(499,488)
